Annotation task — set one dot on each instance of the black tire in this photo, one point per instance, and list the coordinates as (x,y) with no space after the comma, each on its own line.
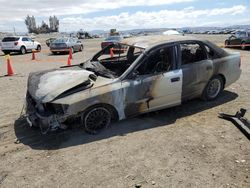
(227,44)
(95,119)
(213,88)
(243,47)
(81,48)
(54,53)
(72,50)
(39,48)
(23,50)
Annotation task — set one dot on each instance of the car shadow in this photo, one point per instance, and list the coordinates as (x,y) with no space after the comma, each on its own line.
(16,54)
(76,135)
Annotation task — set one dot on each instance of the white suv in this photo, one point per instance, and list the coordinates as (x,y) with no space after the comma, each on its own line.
(19,44)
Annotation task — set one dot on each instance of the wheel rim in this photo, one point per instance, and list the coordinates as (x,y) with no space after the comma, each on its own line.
(214,88)
(97,119)
(39,48)
(242,46)
(23,50)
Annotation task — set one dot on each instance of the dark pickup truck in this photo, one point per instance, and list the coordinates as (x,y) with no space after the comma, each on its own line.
(241,39)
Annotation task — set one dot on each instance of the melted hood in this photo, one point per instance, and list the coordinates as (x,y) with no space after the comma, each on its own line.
(45,86)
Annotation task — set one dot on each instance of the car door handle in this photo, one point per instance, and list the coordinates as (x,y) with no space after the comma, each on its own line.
(175,79)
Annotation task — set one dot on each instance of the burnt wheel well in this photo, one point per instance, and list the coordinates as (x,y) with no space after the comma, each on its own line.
(109,107)
(223,78)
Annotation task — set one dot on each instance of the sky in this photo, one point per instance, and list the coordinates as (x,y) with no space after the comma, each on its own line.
(124,15)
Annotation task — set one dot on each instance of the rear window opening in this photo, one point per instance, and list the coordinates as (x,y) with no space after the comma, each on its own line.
(10,39)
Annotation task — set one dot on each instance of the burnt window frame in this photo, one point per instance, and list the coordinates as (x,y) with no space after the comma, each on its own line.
(191,42)
(146,55)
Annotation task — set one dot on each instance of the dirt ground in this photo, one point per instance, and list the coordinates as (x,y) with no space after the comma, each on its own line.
(185,146)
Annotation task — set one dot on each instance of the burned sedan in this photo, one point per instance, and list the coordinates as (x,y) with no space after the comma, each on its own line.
(155,72)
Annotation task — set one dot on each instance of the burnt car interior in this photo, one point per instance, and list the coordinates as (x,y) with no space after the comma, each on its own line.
(115,64)
(158,61)
(192,52)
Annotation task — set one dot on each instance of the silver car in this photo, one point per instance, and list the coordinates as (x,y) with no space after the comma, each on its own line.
(65,44)
(155,72)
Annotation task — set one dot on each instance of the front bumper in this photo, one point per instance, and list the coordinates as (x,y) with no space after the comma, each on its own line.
(46,121)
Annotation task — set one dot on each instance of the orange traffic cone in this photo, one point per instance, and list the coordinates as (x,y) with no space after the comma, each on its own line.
(111,52)
(68,63)
(70,54)
(9,67)
(33,55)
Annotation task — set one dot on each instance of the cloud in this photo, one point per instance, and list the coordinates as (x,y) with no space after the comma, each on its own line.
(16,10)
(165,18)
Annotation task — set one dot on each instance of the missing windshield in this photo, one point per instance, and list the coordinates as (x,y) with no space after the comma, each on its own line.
(113,60)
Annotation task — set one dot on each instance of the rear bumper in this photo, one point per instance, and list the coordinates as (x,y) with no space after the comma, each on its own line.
(59,49)
(10,49)
(234,76)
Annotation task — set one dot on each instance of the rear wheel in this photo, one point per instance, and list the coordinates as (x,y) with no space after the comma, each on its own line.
(72,50)
(81,48)
(213,88)
(96,119)
(23,50)
(227,44)
(243,47)
(6,52)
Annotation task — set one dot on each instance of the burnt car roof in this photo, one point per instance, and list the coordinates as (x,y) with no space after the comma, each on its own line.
(150,41)
(147,42)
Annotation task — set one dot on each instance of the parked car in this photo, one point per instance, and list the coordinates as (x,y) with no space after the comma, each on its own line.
(240,38)
(49,41)
(111,40)
(20,44)
(155,72)
(64,44)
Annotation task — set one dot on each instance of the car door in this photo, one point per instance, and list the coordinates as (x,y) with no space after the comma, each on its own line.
(32,44)
(197,69)
(153,88)
(26,43)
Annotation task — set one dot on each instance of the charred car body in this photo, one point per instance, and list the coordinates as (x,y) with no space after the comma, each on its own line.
(155,72)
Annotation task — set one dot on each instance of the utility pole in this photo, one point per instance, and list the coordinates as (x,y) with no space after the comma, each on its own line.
(14,30)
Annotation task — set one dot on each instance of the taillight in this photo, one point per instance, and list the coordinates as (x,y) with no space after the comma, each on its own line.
(16,43)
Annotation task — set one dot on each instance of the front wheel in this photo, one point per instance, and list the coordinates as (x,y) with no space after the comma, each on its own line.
(213,88)
(22,50)
(96,119)
(39,48)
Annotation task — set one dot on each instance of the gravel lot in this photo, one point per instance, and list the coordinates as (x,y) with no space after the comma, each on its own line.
(185,146)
